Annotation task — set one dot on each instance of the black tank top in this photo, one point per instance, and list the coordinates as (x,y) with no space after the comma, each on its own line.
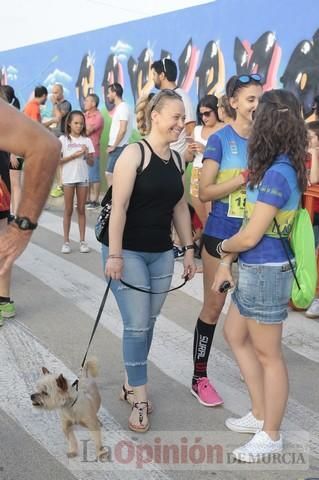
(157,190)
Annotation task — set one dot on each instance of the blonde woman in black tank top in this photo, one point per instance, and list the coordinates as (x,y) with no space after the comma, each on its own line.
(138,245)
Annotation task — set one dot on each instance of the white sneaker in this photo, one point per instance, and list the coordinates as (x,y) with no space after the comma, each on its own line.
(84,248)
(66,248)
(260,446)
(246,424)
(313,310)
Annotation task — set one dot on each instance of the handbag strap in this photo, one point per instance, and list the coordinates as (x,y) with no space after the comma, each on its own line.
(287,253)
(143,290)
(108,195)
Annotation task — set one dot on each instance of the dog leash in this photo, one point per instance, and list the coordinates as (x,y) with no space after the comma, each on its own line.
(133,287)
(150,291)
(76,382)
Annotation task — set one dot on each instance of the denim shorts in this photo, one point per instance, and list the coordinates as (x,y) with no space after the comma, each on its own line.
(94,171)
(263,292)
(113,156)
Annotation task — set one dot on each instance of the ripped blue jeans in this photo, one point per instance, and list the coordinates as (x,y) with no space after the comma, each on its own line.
(152,271)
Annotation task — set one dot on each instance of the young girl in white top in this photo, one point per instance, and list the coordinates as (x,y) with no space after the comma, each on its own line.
(77,153)
(208,123)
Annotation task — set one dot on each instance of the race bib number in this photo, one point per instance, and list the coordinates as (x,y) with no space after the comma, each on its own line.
(237,203)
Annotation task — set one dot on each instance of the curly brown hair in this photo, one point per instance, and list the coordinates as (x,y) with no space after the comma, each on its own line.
(278,129)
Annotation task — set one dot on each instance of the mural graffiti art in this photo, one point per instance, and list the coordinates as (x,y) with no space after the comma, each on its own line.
(207,45)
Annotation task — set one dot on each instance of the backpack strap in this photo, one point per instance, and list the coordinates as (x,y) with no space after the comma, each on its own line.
(286,252)
(179,160)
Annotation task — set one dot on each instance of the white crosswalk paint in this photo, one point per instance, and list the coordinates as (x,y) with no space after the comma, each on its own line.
(300,333)
(21,357)
(85,291)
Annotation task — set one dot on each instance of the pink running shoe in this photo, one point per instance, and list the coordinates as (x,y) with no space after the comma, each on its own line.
(206,393)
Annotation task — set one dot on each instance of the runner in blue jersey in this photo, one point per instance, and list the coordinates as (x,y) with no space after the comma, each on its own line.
(253,327)
(223,182)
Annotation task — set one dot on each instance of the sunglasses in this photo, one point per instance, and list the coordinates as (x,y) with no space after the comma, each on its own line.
(245,80)
(205,114)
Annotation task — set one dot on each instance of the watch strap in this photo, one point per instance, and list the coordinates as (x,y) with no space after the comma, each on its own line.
(24,223)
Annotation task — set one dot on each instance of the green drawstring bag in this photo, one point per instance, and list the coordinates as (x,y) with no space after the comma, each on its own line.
(302,243)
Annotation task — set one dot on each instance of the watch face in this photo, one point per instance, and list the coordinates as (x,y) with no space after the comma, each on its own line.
(24,225)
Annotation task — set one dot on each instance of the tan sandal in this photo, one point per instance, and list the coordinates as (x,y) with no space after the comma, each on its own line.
(140,406)
(128,396)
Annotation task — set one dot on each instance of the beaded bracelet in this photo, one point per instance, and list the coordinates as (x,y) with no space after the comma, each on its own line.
(116,256)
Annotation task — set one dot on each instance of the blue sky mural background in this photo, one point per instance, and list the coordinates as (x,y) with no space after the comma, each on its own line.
(221,21)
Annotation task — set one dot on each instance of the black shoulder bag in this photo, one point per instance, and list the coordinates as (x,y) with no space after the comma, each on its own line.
(102,222)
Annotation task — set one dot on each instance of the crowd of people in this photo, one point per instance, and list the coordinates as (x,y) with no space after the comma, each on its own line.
(251,156)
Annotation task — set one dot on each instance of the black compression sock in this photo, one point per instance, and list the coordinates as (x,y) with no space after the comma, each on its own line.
(203,338)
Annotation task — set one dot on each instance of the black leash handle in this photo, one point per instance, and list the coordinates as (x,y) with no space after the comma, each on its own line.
(143,290)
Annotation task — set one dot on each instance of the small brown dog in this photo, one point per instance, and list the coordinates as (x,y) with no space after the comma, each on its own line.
(77,407)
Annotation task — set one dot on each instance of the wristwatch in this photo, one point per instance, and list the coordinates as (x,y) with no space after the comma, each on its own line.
(24,223)
(189,247)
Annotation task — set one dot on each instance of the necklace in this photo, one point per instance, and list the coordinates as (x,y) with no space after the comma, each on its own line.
(153,151)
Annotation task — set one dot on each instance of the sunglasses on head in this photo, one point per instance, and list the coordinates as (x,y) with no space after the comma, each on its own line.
(245,80)
(163,63)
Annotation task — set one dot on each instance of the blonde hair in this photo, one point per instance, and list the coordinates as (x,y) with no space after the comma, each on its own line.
(140,111)
(146,105)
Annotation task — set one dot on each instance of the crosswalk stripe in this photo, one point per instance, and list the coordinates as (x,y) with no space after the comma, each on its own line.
(300,334)
(85,291)
(21,357)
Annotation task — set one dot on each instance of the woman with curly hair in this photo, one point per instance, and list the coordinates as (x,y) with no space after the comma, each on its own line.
(253,327)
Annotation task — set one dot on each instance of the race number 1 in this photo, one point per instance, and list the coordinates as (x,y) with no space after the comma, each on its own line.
(237,202)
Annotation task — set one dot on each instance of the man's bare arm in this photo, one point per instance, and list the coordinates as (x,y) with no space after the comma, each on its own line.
(41,151)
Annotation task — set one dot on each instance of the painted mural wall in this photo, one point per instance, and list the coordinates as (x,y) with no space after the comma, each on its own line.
(278,39)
